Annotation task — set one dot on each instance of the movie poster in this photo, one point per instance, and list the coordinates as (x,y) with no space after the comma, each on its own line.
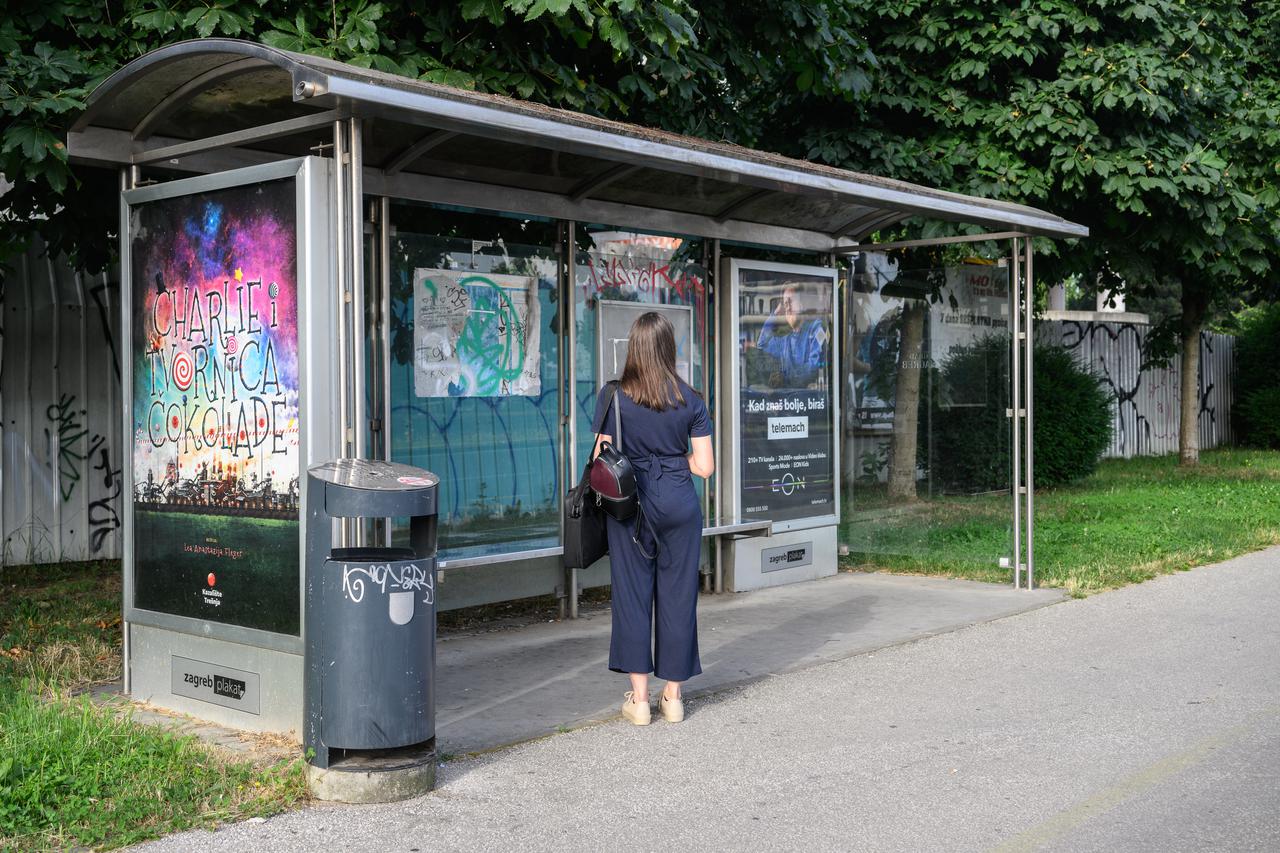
(786,406)
(215,406)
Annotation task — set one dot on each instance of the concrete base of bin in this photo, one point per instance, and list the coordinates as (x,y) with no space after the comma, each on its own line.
(380,778)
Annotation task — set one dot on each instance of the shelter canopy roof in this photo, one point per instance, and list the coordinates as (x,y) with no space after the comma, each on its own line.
(252,103)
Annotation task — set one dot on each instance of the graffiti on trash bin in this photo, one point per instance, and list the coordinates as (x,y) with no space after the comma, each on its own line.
(387,578)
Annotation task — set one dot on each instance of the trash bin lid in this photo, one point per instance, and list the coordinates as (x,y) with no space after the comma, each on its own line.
(374,474)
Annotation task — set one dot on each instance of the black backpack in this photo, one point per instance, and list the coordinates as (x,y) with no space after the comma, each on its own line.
(612,478)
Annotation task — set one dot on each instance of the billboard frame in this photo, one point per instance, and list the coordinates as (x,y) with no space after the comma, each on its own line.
(317,370)
(731,465)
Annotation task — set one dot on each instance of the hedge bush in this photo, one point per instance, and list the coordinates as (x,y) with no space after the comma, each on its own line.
(970,448)
(1257,417)
(1073,418)
(966,447)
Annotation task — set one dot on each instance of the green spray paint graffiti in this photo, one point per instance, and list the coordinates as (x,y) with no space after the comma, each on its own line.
(476,335)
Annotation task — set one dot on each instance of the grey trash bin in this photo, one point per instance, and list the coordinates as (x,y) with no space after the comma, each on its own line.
(370,622)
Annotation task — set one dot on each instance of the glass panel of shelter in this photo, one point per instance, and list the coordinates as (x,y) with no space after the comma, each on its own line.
(926,343)
(474,372)
(616,266)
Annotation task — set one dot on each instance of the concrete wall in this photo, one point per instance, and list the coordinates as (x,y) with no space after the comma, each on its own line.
(1147,413)
(60,430)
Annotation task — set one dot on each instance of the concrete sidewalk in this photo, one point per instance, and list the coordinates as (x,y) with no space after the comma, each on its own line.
(1144,719)
(500,687)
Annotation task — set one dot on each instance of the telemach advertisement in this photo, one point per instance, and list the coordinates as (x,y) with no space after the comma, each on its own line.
(215,405)
(786,406)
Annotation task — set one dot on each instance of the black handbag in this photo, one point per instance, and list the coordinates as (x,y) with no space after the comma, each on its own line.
(585,537)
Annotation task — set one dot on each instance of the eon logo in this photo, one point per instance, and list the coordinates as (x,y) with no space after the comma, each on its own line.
(789,484)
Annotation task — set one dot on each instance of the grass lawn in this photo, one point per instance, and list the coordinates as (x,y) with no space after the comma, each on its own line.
(1132,520)
(73,773)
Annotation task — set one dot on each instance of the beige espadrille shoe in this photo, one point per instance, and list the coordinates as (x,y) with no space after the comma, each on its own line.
(637,712)
(672,710)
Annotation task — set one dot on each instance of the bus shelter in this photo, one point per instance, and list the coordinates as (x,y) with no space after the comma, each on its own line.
(324,261)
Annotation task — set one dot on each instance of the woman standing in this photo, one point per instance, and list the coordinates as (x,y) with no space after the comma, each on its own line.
(654,557)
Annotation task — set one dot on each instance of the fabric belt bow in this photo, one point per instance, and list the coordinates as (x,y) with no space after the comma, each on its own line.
(653,465)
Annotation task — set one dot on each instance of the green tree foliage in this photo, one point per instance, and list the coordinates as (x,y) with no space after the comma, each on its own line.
(1129,117)
(657,62)
(1155,123)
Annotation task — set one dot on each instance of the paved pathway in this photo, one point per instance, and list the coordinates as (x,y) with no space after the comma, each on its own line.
(499,687)
(1142,719)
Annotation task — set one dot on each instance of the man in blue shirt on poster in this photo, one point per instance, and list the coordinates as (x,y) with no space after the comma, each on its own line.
(795,340)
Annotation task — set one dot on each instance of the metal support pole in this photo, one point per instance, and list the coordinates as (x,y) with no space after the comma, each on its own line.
(384,311)
(563,295)
(706,367)
(128,180)
(380,211)
(570,332)
(343,291)
(1015,413)
(719,579)
(710,507)
(718,295)
(358,384)
(1029,292)
(833,392)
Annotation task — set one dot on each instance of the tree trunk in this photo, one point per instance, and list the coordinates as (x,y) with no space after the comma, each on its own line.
(1194,307)
(906,404)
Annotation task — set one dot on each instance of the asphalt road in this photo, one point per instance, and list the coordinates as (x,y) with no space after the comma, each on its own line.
(1142,719)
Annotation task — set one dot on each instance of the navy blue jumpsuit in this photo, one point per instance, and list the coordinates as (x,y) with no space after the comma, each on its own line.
(657,443)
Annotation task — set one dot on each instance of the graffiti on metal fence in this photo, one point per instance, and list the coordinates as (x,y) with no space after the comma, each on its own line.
(101,295)
(62,487)
(74,444)
(1147,406)
(104,513)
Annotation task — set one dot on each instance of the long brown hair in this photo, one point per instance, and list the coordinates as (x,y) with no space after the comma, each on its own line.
(649,376)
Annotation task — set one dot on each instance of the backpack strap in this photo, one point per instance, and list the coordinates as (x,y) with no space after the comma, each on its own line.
(611,395)
(617,414)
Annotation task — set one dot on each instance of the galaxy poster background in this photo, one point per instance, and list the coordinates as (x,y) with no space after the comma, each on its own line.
(215,405)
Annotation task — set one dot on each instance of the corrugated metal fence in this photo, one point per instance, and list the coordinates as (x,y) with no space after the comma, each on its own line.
(60,475)
(1147,413)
